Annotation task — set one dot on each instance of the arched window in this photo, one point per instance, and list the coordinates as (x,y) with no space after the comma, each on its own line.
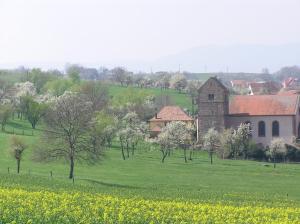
(261,129)
(275,128)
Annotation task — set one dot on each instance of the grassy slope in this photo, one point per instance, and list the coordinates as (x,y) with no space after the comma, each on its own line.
(145,176)
(179,99)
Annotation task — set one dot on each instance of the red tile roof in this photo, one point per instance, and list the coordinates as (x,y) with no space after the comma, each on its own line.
(263,105)
(171,113)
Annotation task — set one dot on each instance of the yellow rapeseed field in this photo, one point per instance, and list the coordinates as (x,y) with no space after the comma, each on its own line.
(21,206)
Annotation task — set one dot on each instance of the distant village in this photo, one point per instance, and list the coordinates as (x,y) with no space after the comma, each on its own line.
(269,103)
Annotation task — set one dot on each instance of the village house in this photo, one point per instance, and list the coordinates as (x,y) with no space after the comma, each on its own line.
(291,82)
(264,87)
(269,116)
(164,116)
(239,84)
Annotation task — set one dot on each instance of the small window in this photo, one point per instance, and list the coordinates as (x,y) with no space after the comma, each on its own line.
(275,128)
(211,97)
(261,129)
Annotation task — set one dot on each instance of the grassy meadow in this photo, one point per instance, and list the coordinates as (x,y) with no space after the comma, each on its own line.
(145,175)
(180,99)
(141,189)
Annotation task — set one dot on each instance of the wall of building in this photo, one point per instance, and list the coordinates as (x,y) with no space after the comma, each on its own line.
(286,126)
(212,113)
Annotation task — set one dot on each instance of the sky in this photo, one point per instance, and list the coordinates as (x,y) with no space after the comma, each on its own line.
(109,32)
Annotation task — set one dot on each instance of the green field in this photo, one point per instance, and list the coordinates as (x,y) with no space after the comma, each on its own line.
(180,99)
(145,176)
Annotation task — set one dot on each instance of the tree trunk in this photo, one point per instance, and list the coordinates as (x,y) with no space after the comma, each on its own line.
(211,159)
(123,154)
(132,152)
(18,165)
(127,149)
(185,159)
(164,156)
(274,160)
(71,175)
(191,153)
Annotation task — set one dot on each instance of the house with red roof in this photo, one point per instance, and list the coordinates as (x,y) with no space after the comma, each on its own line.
(269,116)
(239,84)
(164,116)
(262,88)
(290,82)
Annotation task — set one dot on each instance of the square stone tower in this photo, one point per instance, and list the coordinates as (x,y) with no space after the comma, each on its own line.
(213,106)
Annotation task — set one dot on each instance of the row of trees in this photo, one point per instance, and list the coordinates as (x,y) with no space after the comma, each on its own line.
(230,143)
(237,144)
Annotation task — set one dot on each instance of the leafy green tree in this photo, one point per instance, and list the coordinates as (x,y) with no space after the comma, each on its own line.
(58,87)
(73,72)
(35,112)
(32,110)
(4,89)
(104,127)
(18,146)
(5,113)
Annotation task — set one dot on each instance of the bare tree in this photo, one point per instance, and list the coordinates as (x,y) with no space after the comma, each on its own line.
(68,132)
(96,93)
(119,74)
(18,146)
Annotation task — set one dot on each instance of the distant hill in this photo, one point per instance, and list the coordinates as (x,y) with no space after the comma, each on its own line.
(235,58)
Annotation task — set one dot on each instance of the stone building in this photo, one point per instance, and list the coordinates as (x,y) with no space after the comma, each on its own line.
(269,116)
(213,106)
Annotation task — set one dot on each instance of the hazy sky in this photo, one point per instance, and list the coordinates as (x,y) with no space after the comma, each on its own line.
(137,30)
